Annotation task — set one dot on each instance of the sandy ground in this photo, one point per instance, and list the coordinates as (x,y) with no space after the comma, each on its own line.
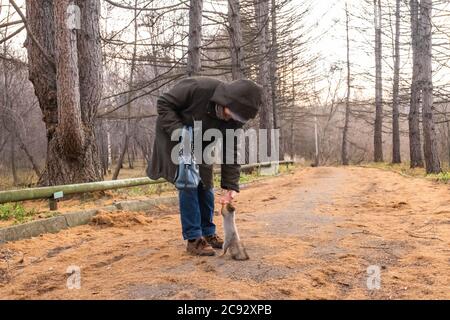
(310,235)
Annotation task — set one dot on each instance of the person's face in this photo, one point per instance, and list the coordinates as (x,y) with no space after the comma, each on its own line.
(226,113)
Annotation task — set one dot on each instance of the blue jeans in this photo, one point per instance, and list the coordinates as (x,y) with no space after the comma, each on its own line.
(197,212)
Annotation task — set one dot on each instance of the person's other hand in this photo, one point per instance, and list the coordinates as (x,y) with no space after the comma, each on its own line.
(227,196)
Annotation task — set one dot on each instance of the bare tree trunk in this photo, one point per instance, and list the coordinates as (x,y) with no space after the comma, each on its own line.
(266,112)
(316,143)
(108,139)
(29,155)
(378,132)
(396,156)
(432,163)
(274,73)
(126,141)
(344,152)
(130,154)
(292,129)
(123,151)
(70,131)
(194,64)
(68,91)
(103,150)
(448,140)
(13,160)
(415,145)
(4,143)
(90,60)
(102,146)
(235,32)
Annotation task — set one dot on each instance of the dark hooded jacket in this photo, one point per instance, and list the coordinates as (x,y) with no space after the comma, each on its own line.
(194,99)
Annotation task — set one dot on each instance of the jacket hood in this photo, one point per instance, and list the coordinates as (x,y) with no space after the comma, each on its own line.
(243,97)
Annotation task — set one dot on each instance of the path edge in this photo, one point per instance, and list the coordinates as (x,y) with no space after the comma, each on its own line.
(76,218)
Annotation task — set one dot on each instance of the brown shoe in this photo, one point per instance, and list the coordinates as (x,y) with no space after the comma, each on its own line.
(215,241)
(200,247)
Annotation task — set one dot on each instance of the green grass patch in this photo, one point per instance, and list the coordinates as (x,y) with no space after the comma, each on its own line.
(16,212)
(251,176)
(244,178)
(443,177)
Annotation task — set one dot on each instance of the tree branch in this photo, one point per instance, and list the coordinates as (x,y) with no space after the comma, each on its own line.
(8,24)
(12,35)
(122,6)
(33,38)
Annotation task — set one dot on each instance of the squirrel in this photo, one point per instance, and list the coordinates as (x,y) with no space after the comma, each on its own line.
(232,241)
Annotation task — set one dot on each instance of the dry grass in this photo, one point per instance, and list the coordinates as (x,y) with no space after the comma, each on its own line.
(405,169)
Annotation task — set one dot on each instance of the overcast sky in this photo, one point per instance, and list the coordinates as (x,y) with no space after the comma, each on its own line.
(328,19)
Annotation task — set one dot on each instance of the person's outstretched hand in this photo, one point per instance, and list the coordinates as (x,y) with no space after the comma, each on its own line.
(227,196)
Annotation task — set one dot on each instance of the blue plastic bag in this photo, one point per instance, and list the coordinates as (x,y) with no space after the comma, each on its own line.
(188,174)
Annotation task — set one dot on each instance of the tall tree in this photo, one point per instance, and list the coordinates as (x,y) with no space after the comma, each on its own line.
(432,162)
(236,45)
(194,64)
(65,67)
(292,104)
(448,139)
(262,22)
(378,132)
(344,152)
(274,71)
(415,145)
(396,157)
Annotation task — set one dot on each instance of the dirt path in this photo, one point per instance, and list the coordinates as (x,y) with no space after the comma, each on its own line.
(310,235)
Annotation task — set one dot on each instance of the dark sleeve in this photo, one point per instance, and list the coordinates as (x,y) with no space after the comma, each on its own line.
(170,105)
(230,173)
